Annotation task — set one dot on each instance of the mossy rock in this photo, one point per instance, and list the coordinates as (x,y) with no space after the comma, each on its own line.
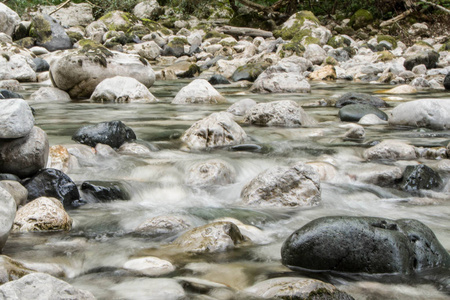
(345,30)
(388,39)
(214,34)
(295,32)
(27,42)
(155,26)
(254,20)
(178,42)
(249,72)
(385,56)
(96,52)
(40,29)
(75,36)
(193,71)
(331,61)
(338,41)
(119,21)
(425,45)
(227,43)
(310,40)
(360,19)
(445,47)
(294,47)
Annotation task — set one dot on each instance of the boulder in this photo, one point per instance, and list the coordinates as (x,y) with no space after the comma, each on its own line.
(24,156)
(210,173)
(390,150)
(105,191)
(95,31)
(17,67)
(149,266)
(49,33)
(53,183)
(42,214)
(11,269)
(149,9)
(354,112)
(359,98)
(16,119)
(6,94)
(210,238)
(9,19)
(447,82)
(11,85)
(291,64)
(216,130)
(384,246)
(356,132)
(72,15)
(420,83)
(284,187)
(315,54)
(285,113)
(61,159)
(162,225)
(148,50)
(218,79)
(44,285)
(80,71)
(17,191)
(122,89)
(40,65)
(428,113)
(281,83)
(425,56)
(248,72)
(296,288)
(113,133)
(360,19)
(325,73)
(199,91)
(49,94)
(7,214)
(420,177)
(241,107)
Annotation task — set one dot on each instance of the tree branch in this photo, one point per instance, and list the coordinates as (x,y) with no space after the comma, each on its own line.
(436,6)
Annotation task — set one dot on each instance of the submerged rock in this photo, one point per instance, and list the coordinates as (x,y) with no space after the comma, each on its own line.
(122,89)
(113,133)
(149,266)
(210,173)
(104,191)
(241,107)
(11,269)
(359,98)
(198,91)
(354,112)
(162,225)
(384,246)
(420,177)
(16,119)
(284,187)
(390,150)
(7,214)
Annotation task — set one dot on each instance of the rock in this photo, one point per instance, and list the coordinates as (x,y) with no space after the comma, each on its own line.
(105,191)
(291,64)
(53,183)
(11,85)
(84,154)
(210,173)
(16,67)
(420,70)
(150,266)
(11,269)
(175,47)
(60,158)
(218,79)
(427,57)
(420,177)
(49,33)
(148,10)
(429,113)
(148,50)
(296,288)
(281,83)
(41,65)
(24,156)
(210,238)
(105,150)
(17,191)
(113,133)
(384,246)
(284,187)
(325,73)
(12,177)
(378,174)
(216,130)
(241,107)
(359,98)
(315,54)
(44,285)
(16,119)
(419,29)
(162,225)
(390,150)
(72,15)
(145,288)
(49,94)
(122,89)
(402,89)
(285,113)
(96,30)
(354,112)
(360,19)
(6,94)
(248,72)
(134,149)
(7,214)
(447,82)
(198,91)
(42,214)
(9,19)
(420,82)
(80,71)
(355,133)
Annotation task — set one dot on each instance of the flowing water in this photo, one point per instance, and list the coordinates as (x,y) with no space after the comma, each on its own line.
(93,253)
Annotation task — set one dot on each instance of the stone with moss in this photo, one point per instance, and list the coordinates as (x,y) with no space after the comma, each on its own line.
(445,46)
(175,47)
(119,21)
(331,61)
(49,33)
(75,36)
(360,19)
(310,40)
(153,26)
(292,48)
(298,26)
(27,42)
(391,40)
(385,56)
(249,72)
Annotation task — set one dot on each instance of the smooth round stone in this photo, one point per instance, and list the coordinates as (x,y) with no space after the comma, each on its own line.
(359,98)
(210,173)
(162,225)
(49,94)
(371,119)
(354,112)
(151,266)
(16,119)
(17,190)
(198,91)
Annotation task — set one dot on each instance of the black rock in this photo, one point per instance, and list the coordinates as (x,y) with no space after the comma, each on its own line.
(5,176)
(41,65)
(420,177)
(447,82)
(104,191)
(113,133)
(364,245)
(359,98)
(218,79)
(247,148)
(53,183)
(427,57)
(248,72)
(354,112)
(6,94)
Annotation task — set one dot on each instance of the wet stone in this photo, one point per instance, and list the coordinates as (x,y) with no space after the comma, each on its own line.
(105,191)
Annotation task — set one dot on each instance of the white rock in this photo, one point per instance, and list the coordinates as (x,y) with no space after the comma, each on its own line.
(7,214)
(371,119)
(210,173)
(151,266)
(9,19)
(122,89)
(281,83)
(48,94)
(198,91)
(315,54)
(17,67)
(17,191)
(16,119)
(161,225)
(149,50)
(390,150)
(74,14)
(241,107)
(147,9)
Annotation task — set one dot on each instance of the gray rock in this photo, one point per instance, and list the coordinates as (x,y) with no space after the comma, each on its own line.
(315,54)
(241,107)
(384,246)
(162,225)
(284,187)
(291,64)
(17,67)
(420,70)
(296,288)
(354,112)
(72,15)
(249,72)
(16,119)
(390,150)
(269,82)
(359,98)
(355,133)
(96,30)
(210,173)
(420,82)
(216,130)
(210,238)
(199,91)
(135,149)
(149,50)
(285,113)
(447,82)
(9,19)
(46,286)
(6,94)
(122,89)
(427,57)
(113,133)
(378,174)
(7,214)
(49,33)
(105,191)
(25,156)
(49,94)
(429,113)
(17,191)
(420,177)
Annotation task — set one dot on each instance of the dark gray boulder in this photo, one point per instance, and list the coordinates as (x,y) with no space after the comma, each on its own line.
(354,112)
(426,57)
(420,177)
(359,98)
(49,33)
(447,82)
(113,133)
(105,191)
(248,72)
(53,183)
(6,94)
(6,176)
(218,79)
(41,65)
(364,245)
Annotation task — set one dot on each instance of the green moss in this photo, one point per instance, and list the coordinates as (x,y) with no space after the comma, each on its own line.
(193,71)
(294,48)
(424,44)
(41,29)
(310,40)
(178,42)
(385,56)
(74,36)
(228,44)
(331,61)
(96,52)
(360,19)
(27,42)
(129,19)
(215,34)
(155,26)
(295,32)
(336,42)
(252,19)
(304,15)
(388,39)
(6,56)
(445,47)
